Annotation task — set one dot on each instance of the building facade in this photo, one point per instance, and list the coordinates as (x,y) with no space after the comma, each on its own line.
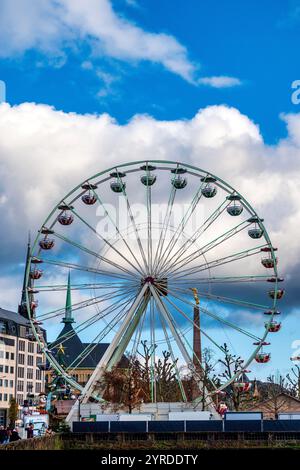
(20,357)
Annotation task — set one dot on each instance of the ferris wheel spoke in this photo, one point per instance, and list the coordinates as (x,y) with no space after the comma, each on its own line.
(78,267)
(100,336)
(217,317)
(107,242)
(149,224)
(94,254)
(124,192)
(165,226)
(166,314)
(90,321)
(196,235)
(215,263)
(64,287)
(174,360)
(219,280)
(194,325)
(82,304)
(230,300)
(191,365)
(208,247)
(138,335)
(153,347)
(179,230)
(117,229)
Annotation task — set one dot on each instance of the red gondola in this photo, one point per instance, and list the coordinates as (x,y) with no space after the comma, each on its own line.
(65,218)
(46,243)
(36,273)
(262,357)
(89,199)
(273,326)
(279,294)
(242,387)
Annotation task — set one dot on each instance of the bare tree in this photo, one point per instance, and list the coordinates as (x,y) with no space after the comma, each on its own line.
(204,375)
(276,401)
(232,364)
(293,379)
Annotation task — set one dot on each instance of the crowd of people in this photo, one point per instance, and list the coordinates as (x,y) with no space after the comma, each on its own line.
(8,434)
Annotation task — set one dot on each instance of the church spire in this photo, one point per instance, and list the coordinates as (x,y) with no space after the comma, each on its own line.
(68,318)
(22,308)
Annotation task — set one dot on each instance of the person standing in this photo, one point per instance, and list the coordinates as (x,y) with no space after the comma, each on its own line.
(14,436)
(2,435)
(30,431)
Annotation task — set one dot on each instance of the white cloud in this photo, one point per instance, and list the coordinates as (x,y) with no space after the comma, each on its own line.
(52,26)
(221,81)
(44,152)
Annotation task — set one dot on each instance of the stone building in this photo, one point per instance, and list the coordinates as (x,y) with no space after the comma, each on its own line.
(20,357)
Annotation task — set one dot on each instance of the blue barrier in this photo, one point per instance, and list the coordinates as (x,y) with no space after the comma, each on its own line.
(246,426)
(199,426)
(166,426)
(99,426)
(282,425)
(187,426)
(128,426)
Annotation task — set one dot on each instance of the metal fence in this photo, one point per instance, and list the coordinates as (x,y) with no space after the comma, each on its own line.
(162,427)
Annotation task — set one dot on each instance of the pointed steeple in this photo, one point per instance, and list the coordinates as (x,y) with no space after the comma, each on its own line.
(22,308)
(68,318)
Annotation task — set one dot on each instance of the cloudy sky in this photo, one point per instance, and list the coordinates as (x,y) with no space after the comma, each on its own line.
(90,83)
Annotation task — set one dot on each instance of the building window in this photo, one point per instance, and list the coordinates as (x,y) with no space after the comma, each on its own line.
(21,345)
(7,355)
(20,386)
(12,356)
(1,354)
(38,388)
(11,383)
(31,347)
(38,374)
(1,368)
(30,360)
(5,397)
(21,372)
(39,360)
(11,369)
(3,328)
(7,341)
(30,374)
(20,399)
(23,331)
(29,387)
(6,369)
(21,359)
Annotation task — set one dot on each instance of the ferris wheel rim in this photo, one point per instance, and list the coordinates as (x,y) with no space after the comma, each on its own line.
(168,162)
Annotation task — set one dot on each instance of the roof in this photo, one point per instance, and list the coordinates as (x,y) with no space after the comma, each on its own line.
(73,347)
(287,395)
(13,316)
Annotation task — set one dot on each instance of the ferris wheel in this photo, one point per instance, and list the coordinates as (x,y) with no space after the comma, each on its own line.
(144,246)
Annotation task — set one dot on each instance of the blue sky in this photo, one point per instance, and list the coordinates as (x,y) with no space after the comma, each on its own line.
(256,42)
(165,59)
